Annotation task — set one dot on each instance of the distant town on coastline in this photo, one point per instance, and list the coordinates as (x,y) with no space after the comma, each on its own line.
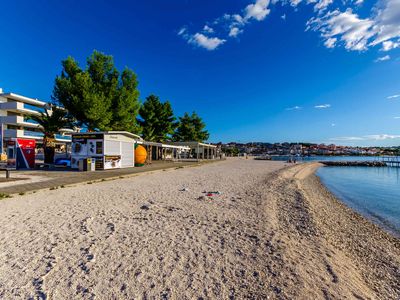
(303,149)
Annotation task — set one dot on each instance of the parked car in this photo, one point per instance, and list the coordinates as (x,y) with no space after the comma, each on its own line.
(66,162)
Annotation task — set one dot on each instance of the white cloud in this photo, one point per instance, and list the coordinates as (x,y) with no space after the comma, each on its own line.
(294,108)
(322,106)
(234,23)
(234,32)
(208,29)
(182,31)
(383,58)
(209,43)
(333,124)
(393,97)
(371,137)
(389,45)
(238,19)
(387,21)
(338,26)
(259,10)
(381,137)
(347,138)
(346,26)
(322,5)
(396,117)
(330,42)
(295,2)
(356,33)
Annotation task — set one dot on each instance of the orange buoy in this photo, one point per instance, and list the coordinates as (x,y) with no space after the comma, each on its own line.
(140,155)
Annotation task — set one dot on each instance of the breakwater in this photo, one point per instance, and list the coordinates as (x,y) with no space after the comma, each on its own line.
(354,163)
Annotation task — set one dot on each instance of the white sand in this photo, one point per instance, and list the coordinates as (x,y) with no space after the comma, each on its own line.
(143,238)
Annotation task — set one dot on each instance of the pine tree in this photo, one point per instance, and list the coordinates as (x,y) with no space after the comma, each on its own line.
(191,128)
(98,97)
(156,119)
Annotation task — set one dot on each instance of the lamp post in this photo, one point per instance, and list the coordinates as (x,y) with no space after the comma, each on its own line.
(2,138)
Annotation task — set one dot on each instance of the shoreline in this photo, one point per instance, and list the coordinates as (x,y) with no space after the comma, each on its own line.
(269,231)
(372,251)
(369,216)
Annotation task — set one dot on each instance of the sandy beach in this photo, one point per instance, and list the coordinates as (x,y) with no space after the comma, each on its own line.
(272,232)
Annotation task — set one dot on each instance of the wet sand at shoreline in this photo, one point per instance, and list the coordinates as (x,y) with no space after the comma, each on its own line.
(272,232)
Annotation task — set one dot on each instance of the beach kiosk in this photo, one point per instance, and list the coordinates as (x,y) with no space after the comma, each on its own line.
(108,149)
(21,153)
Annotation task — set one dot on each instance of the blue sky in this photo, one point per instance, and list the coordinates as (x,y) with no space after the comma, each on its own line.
(255,70)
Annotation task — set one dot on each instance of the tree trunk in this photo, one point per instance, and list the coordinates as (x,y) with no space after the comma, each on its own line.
(49,150)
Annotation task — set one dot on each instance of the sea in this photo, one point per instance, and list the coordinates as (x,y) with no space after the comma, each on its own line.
(373,192)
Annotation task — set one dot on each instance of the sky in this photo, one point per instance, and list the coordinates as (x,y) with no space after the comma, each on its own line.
(323,71)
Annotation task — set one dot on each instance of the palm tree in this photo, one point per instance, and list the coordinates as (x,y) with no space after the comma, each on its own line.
(51,121)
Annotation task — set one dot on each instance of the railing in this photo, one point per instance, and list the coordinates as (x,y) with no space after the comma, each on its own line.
(66,138)
(33,133)
(28,120)
(33,107)
(393,161)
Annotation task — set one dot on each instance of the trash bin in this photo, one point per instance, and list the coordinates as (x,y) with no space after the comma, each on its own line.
(81,165)
(91,164)
(87,164)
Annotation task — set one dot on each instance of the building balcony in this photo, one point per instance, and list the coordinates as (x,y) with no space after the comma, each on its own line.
(23,99)
(27,134)
(19,121)
(23,134)
(18,107)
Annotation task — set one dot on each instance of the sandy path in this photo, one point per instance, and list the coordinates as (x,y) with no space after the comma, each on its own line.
(143,238)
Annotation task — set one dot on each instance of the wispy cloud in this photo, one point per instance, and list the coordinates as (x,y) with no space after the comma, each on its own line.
(230,26)
(382,28)
(393,97)
(182,31)
(338,26)
(381,137)
(396,117)
(200,39)
(322,106)
(209,43)
(294,108)
(208,29)
(259,10)
(235,31)
(347,138)
(333,124)
(389,45)
(382,58)
(371,137)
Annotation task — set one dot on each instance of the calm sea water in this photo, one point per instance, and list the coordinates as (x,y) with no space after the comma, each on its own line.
(371,191)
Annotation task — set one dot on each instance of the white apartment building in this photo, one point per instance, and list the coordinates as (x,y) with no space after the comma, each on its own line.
(14,115)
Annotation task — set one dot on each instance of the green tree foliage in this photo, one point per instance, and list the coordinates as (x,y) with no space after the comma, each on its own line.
(231,151)
(156,119)
(99,97)
(191,128)
(51,121)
